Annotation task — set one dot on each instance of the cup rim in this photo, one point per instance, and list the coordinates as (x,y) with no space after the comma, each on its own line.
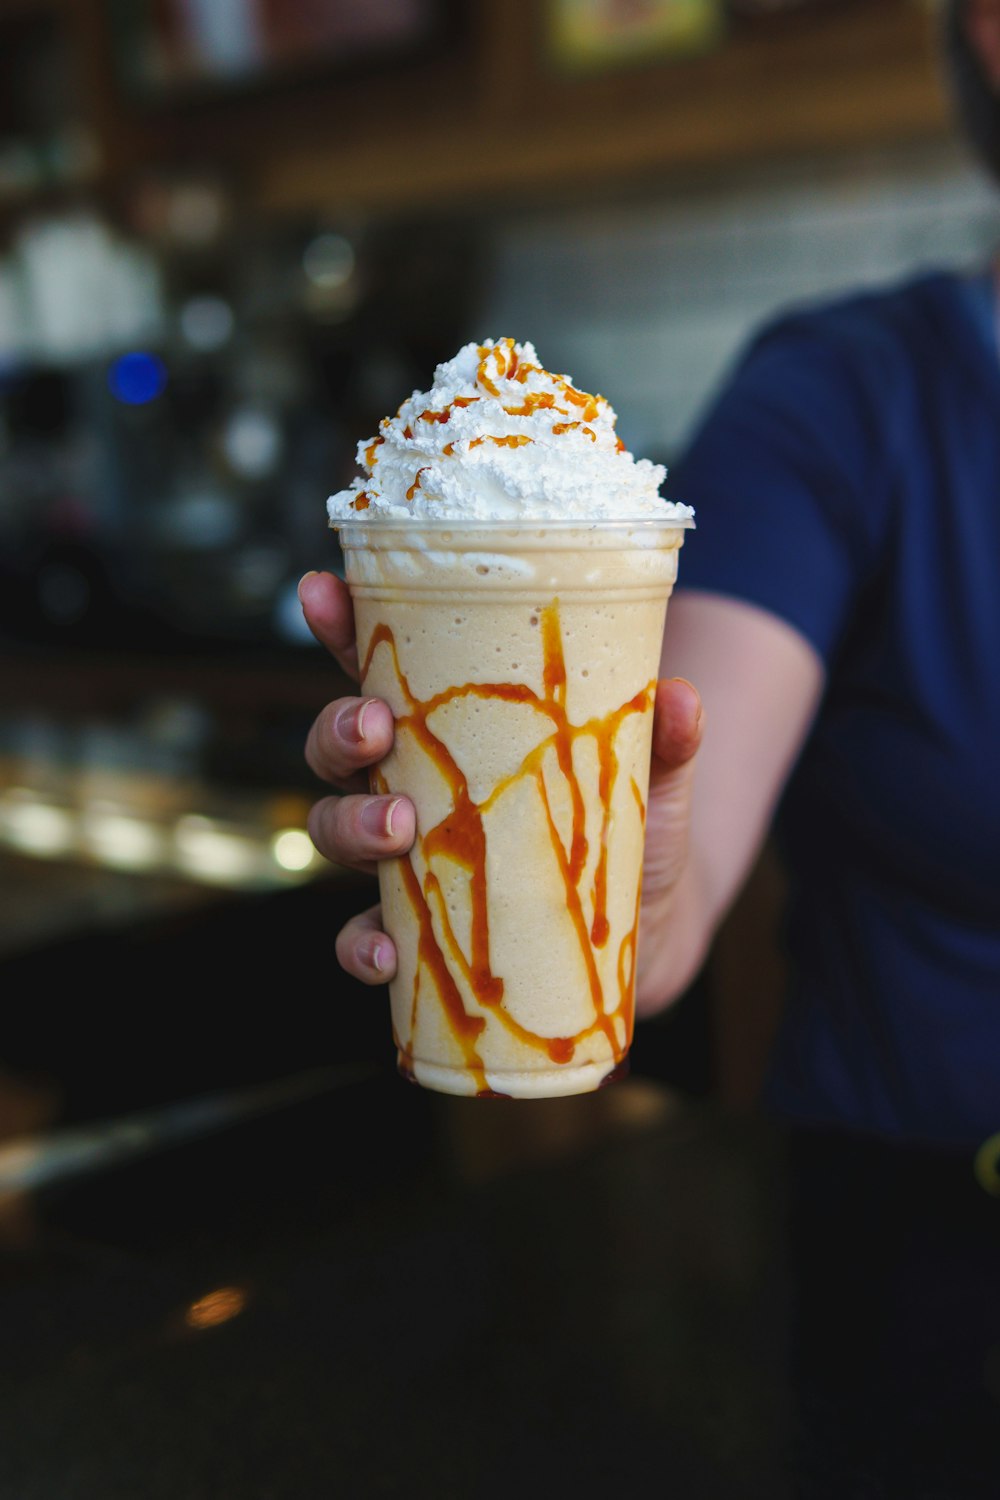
(512,525)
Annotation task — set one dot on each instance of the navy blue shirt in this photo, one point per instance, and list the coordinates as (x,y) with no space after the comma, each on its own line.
(848,480)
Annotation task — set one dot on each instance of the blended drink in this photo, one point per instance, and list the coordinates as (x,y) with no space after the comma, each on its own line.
(510,564)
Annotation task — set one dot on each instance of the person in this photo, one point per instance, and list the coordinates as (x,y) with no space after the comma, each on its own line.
(839,612)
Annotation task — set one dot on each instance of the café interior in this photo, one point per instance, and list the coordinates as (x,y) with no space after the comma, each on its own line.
(239,1256)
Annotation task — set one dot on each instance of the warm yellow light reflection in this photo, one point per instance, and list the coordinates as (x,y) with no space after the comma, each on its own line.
(243,851)
(292,849)
(987,1166)
(119,839)
(207,851)
(216,1307)
(29,823)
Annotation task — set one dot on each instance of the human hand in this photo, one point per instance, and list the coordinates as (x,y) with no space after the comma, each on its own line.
(358,829)
(351,734)
(677,731)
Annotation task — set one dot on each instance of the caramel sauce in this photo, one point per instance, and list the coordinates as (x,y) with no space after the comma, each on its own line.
(416,483)
(361,501)
(370,458)
(600,928)
(580,398)
(506,365)
(535,401)
(515,441)
(501,362)
(461,838)
(505,362)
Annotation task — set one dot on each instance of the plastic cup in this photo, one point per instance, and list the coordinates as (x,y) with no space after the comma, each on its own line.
(520,663)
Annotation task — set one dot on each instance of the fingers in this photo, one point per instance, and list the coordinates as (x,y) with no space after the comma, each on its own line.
(348,736)
(358,831)
(364,950)
(326,605)
(677,724)
(677,728)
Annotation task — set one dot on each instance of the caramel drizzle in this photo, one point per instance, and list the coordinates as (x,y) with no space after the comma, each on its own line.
(361,501)
(535,401)
(580,398)
(370,458)
(460,837)
(501,362)
(416,483)
(561,427)
(503,358)
(518,440)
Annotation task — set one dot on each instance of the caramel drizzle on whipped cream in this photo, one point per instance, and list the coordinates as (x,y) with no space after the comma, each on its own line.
(499,366)
(416,483)
(460,837)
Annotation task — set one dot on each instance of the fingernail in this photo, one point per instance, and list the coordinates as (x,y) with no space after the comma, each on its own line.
(374,958)
(390,813)
(350,722)
(313,573)
(376,817)
(690,687)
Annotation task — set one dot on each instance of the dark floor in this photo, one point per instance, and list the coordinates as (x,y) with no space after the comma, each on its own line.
(376,1291)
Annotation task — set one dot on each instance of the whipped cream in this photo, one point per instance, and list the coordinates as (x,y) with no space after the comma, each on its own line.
(499,438)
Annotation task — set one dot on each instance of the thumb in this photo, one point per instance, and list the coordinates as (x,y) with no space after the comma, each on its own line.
(329,613)
(677,727)
(678,717)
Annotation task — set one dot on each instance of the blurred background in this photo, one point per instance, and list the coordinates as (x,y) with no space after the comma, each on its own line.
(233,235)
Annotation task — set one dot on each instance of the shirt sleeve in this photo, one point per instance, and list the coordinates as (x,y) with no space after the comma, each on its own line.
(784,474)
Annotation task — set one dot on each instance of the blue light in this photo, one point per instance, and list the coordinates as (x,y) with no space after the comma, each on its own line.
(137,378)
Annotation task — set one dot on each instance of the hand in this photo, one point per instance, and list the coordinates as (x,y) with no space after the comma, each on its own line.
(677,730)
(677,726)
(351,734)
(358,829)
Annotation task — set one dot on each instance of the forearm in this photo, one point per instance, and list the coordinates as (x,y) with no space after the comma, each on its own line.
(760,682)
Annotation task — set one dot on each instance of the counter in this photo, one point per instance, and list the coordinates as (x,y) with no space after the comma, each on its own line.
(340,1285)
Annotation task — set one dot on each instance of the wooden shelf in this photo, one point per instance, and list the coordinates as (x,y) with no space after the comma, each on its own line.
(814,83)
(490,120)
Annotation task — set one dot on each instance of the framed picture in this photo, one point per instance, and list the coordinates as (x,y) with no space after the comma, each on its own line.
(596,34)
(166,48)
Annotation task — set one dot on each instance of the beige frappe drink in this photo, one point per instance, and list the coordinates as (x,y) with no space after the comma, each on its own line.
(510,565)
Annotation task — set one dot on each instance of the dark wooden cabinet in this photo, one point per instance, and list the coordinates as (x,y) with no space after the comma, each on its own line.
(488,117)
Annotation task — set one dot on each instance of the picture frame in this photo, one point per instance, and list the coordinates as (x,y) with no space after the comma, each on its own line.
(595,35)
